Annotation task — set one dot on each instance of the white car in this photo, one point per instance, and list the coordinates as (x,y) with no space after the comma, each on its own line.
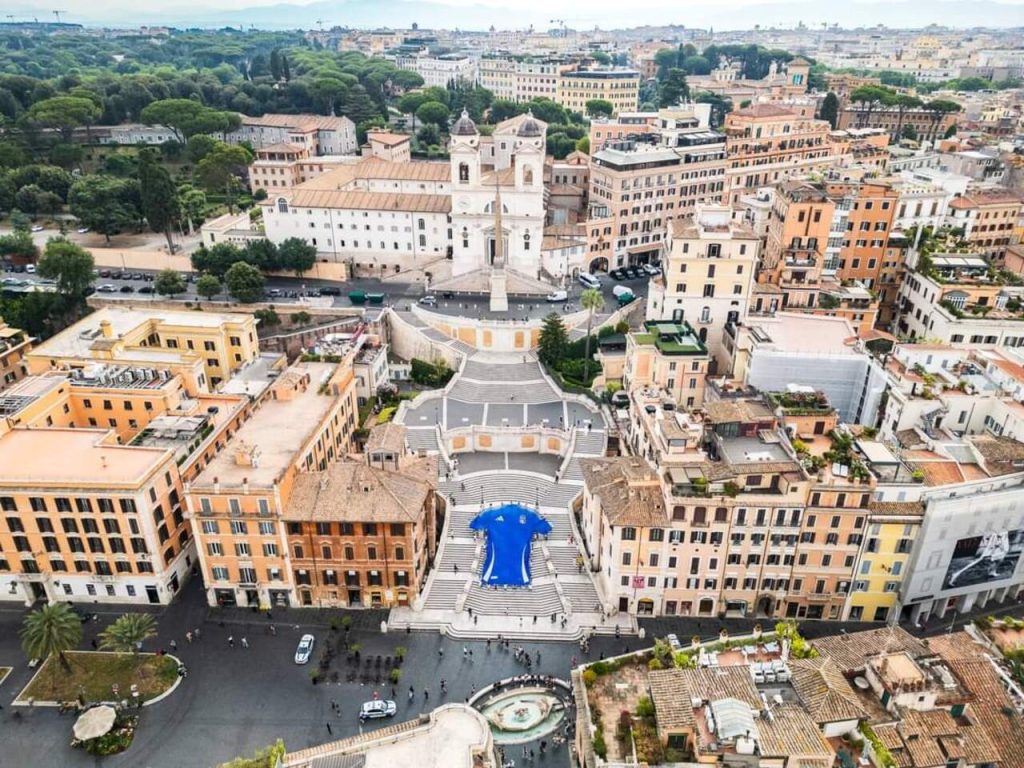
(429,301)
(557,296)
(651,269)
(107,288)
(673,641)
(82,230)
(30,269)
(38,228)
(305,649)
(371,710)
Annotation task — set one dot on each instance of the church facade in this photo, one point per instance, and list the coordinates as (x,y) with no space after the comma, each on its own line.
(385,218)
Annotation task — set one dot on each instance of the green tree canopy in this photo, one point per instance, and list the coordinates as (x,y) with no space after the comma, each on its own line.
(70,265)
(553,340)
(64,113)
(158,196)
(222,168)
(297,255)
(51,630)
(433,112)
(107,204)
(217,259)
(128,632)
(186,118)
(829,109)
(169,283)
(244,282)
(600,108)
(207,286)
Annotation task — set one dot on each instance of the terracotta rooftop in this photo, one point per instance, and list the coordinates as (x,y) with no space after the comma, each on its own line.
(977,199)
(792,733)
(303,121)
(851,651)
(1002,455)
(628,489)
(388,139)
(763,110)
(824,690)
(386,437)
(351,491)
(744,411)
(373,201)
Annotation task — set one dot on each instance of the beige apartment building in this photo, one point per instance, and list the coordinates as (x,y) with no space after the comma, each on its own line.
(235,503)
(637,189)
(279,167)
(668,361)
(205,348)
(103,524)
(707,275)
(621,87)
(988,220)
(14,344)
(798,234)
(738,528)
(767,143)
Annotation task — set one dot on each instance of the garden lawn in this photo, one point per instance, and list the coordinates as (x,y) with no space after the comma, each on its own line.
(95,673)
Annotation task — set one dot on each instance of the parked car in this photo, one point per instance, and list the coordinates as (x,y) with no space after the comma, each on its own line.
(38,228)
(30,268)
(632,273)
(371,710)
(82,230)
(588,280)
(652,269)
(104,273)
(428,301)
(330,290)
(673,641)
(127,289)
(107,288)
(274,292)
(618,274)
(146,289)
(305,649)
(557,296)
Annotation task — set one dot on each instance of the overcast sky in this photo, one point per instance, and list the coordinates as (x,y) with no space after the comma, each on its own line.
(736,14)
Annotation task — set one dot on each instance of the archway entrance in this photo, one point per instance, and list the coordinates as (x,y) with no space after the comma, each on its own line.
(600,264)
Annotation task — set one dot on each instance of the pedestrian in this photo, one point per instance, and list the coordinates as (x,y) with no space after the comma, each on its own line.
(329,730)
(334,705)
(538,657)
(174,645)
(444,686)
(488,643)
(524,751)
(188,637)
(572,663)
(412,692)
(534,619)
(245,643)
(197,633)
(470,609)
(426,694)
(231,641)
(456,567)
(531,754)
(465,652)
(94,646)
(543,746)
(475,620)
(470,654)
(394,692)
(440,653)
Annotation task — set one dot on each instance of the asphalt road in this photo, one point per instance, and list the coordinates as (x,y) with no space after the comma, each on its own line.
(138,284)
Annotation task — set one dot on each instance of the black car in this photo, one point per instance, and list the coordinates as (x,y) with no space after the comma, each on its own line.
(618,274)
(104,273)
(447,294)
(117,274)
(127,289)
(146,289)
(330,290)
(632,272)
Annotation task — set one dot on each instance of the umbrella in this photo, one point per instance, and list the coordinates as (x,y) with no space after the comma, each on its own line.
(94,723)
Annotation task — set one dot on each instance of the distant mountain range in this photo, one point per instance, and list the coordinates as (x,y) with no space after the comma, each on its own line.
(606,15)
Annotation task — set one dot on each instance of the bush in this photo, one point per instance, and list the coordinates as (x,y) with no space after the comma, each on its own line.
(600,748)
(395,675)
(655,663)
(589,677)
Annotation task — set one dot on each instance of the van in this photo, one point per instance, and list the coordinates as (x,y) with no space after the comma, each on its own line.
(588,280)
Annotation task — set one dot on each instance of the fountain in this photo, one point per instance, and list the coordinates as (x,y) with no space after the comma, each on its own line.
(519,715)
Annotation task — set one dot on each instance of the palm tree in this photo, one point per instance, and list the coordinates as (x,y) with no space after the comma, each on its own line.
(52,629)
(128,632)
(592,301)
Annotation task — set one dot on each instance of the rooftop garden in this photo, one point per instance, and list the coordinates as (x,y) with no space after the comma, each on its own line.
(671,338)
(800,403)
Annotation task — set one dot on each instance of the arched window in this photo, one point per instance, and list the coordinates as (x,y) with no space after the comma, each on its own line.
(282,205)
(463,172)
(705,315)
(325,552)
(527,175)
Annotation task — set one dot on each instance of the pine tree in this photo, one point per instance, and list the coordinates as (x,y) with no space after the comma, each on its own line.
(553,340)
(829,109)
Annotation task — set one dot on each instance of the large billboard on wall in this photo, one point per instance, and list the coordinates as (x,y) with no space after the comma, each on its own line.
(984,558)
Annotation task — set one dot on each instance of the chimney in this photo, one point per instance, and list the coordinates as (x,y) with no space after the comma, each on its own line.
(106,329)
(245,485)
(216,485)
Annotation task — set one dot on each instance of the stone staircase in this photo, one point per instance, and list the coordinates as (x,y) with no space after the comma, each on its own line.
(539,599)
(590,443)
(479,370)
(581,595)
(507,487)
(502,392)
(422,439)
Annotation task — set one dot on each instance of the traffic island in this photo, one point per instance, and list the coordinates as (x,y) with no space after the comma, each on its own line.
(97,676)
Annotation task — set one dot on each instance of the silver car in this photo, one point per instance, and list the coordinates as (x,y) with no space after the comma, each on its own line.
(305,649)
(371,710)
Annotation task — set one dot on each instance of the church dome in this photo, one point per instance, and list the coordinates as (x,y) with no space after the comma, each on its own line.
(529,129)
(464,126)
